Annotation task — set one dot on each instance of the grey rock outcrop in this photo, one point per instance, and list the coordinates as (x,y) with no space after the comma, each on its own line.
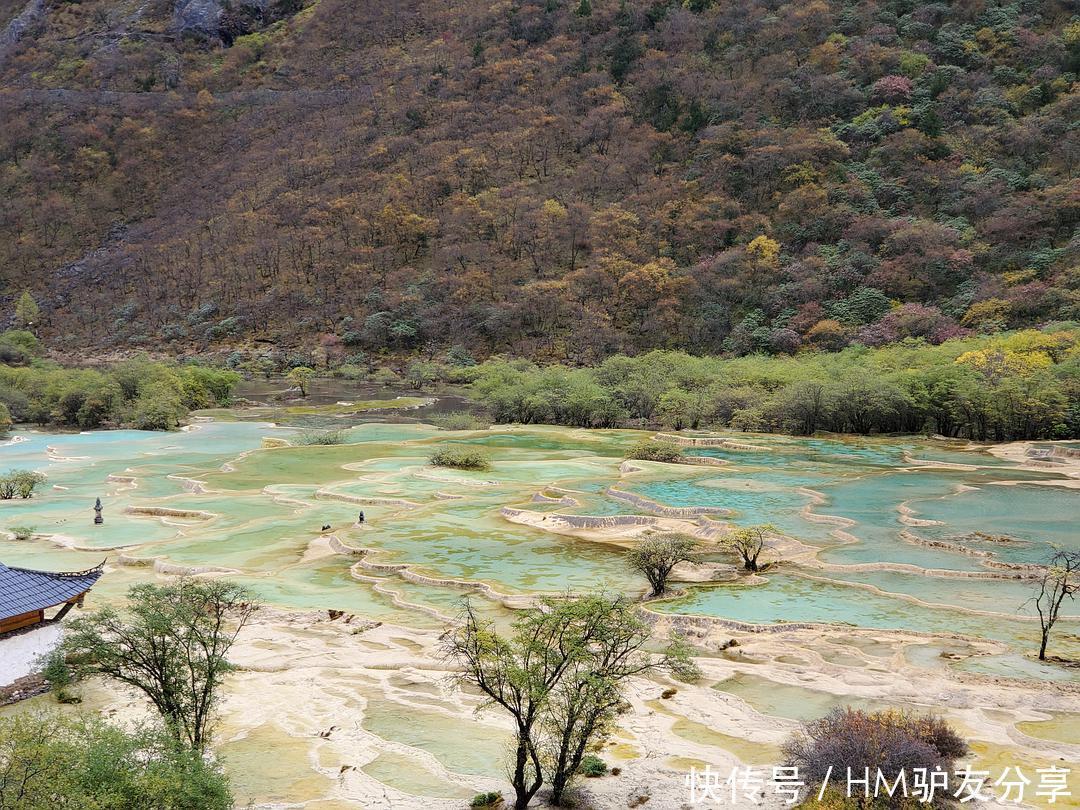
(204,17)
(20,23)
(197,17)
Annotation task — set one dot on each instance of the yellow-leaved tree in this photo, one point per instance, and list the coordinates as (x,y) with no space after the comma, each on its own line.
(765,249)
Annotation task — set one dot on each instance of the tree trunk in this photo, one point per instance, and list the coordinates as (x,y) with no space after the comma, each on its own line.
(521,791)
(657,585)
(1042,646)
(558,785)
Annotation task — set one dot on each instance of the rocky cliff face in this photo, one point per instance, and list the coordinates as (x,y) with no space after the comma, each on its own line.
(221,20)
(13,32)
(198,17)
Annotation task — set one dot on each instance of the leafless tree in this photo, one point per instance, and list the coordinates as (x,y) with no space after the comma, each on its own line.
(1059,580)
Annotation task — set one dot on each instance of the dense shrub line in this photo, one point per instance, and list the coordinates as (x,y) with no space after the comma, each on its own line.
(139,393)
(1020,385)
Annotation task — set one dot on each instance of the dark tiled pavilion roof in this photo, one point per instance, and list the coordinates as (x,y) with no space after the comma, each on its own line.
(23,590)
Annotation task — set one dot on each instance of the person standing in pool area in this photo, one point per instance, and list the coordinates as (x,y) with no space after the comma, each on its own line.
(360,518)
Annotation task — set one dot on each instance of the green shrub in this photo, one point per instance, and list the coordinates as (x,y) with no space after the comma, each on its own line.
(18,347)
(461,420)
(158,407)
(1016,385)
(322,437)
(350,371)
(491,799)
(21,483)
(461,458)
(205,387)
(54,668)
(681,663)
(22,532)
(462,375)
(651,450)
(460,356)
(54,760)
(592,766)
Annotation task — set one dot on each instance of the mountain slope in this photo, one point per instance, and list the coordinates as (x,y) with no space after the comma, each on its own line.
(556,179)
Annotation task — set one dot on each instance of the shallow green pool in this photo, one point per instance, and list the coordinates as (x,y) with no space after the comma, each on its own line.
(232,503)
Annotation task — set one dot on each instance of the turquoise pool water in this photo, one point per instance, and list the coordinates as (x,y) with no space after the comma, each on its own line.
(256,510)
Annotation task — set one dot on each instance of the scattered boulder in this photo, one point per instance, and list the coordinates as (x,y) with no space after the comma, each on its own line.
(23,688)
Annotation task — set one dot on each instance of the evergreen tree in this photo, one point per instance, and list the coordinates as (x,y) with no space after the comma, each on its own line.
(27,310)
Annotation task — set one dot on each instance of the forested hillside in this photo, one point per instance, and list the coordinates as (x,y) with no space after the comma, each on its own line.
(558,179)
